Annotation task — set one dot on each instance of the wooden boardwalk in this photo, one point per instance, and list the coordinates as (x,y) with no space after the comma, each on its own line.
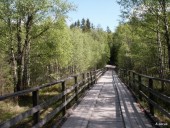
(108,104)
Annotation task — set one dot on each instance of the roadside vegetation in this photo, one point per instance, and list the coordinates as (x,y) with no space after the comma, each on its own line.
(142,43)
(37,47)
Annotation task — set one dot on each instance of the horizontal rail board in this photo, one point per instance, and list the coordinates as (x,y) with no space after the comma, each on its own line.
(53,113)
(157,94)
(150,77)
(144,86)
(86,81)
(35,109)
(29,90)
(156,105)
(30,112)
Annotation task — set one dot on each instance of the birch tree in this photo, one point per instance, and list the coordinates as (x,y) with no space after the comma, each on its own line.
(21,17)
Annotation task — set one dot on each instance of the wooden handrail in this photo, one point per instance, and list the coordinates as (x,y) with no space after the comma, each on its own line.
(19,93)
(37,107)
(146,90)
(150,77)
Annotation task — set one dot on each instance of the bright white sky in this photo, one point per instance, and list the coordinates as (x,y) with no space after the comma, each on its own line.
(100,12)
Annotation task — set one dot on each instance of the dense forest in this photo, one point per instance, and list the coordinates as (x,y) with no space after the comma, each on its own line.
(142,44)
(142,40)
(37,46)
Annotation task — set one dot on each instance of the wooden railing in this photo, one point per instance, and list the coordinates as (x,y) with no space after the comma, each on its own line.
(148,89)
(66,96)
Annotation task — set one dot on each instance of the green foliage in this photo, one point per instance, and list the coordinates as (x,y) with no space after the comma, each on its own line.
(91,49)
(85,25)
(148,33)
(134,51)
(38,46)
(66,48)
(24,25)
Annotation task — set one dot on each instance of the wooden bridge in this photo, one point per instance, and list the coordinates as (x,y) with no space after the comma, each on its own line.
(107,103)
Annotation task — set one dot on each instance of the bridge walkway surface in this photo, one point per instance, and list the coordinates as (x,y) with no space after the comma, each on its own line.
(108,104)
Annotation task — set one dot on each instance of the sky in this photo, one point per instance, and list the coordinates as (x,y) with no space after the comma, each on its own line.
(100,12)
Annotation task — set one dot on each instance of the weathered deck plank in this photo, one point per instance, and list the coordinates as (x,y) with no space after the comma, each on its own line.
(108,104)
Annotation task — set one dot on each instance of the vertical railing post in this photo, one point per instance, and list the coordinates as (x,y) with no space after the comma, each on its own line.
(88,79)
(129,83)
(95,77)
(83,77)
(91,78)
(139,86)
(84,81)
(64,97)
(121,74)
(35,99)
(151,107)
(133,86)
(126,78)
(124,75)
(76,88)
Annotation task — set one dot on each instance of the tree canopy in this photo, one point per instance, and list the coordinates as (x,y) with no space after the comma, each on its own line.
(37,46)
(144,37)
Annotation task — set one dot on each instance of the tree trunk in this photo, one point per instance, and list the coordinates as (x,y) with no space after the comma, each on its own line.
(26,70)
(12,55)
(160,48)
(26,50)
(166,28)
(19,56)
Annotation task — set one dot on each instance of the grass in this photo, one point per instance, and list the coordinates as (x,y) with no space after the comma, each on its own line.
(9,109)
